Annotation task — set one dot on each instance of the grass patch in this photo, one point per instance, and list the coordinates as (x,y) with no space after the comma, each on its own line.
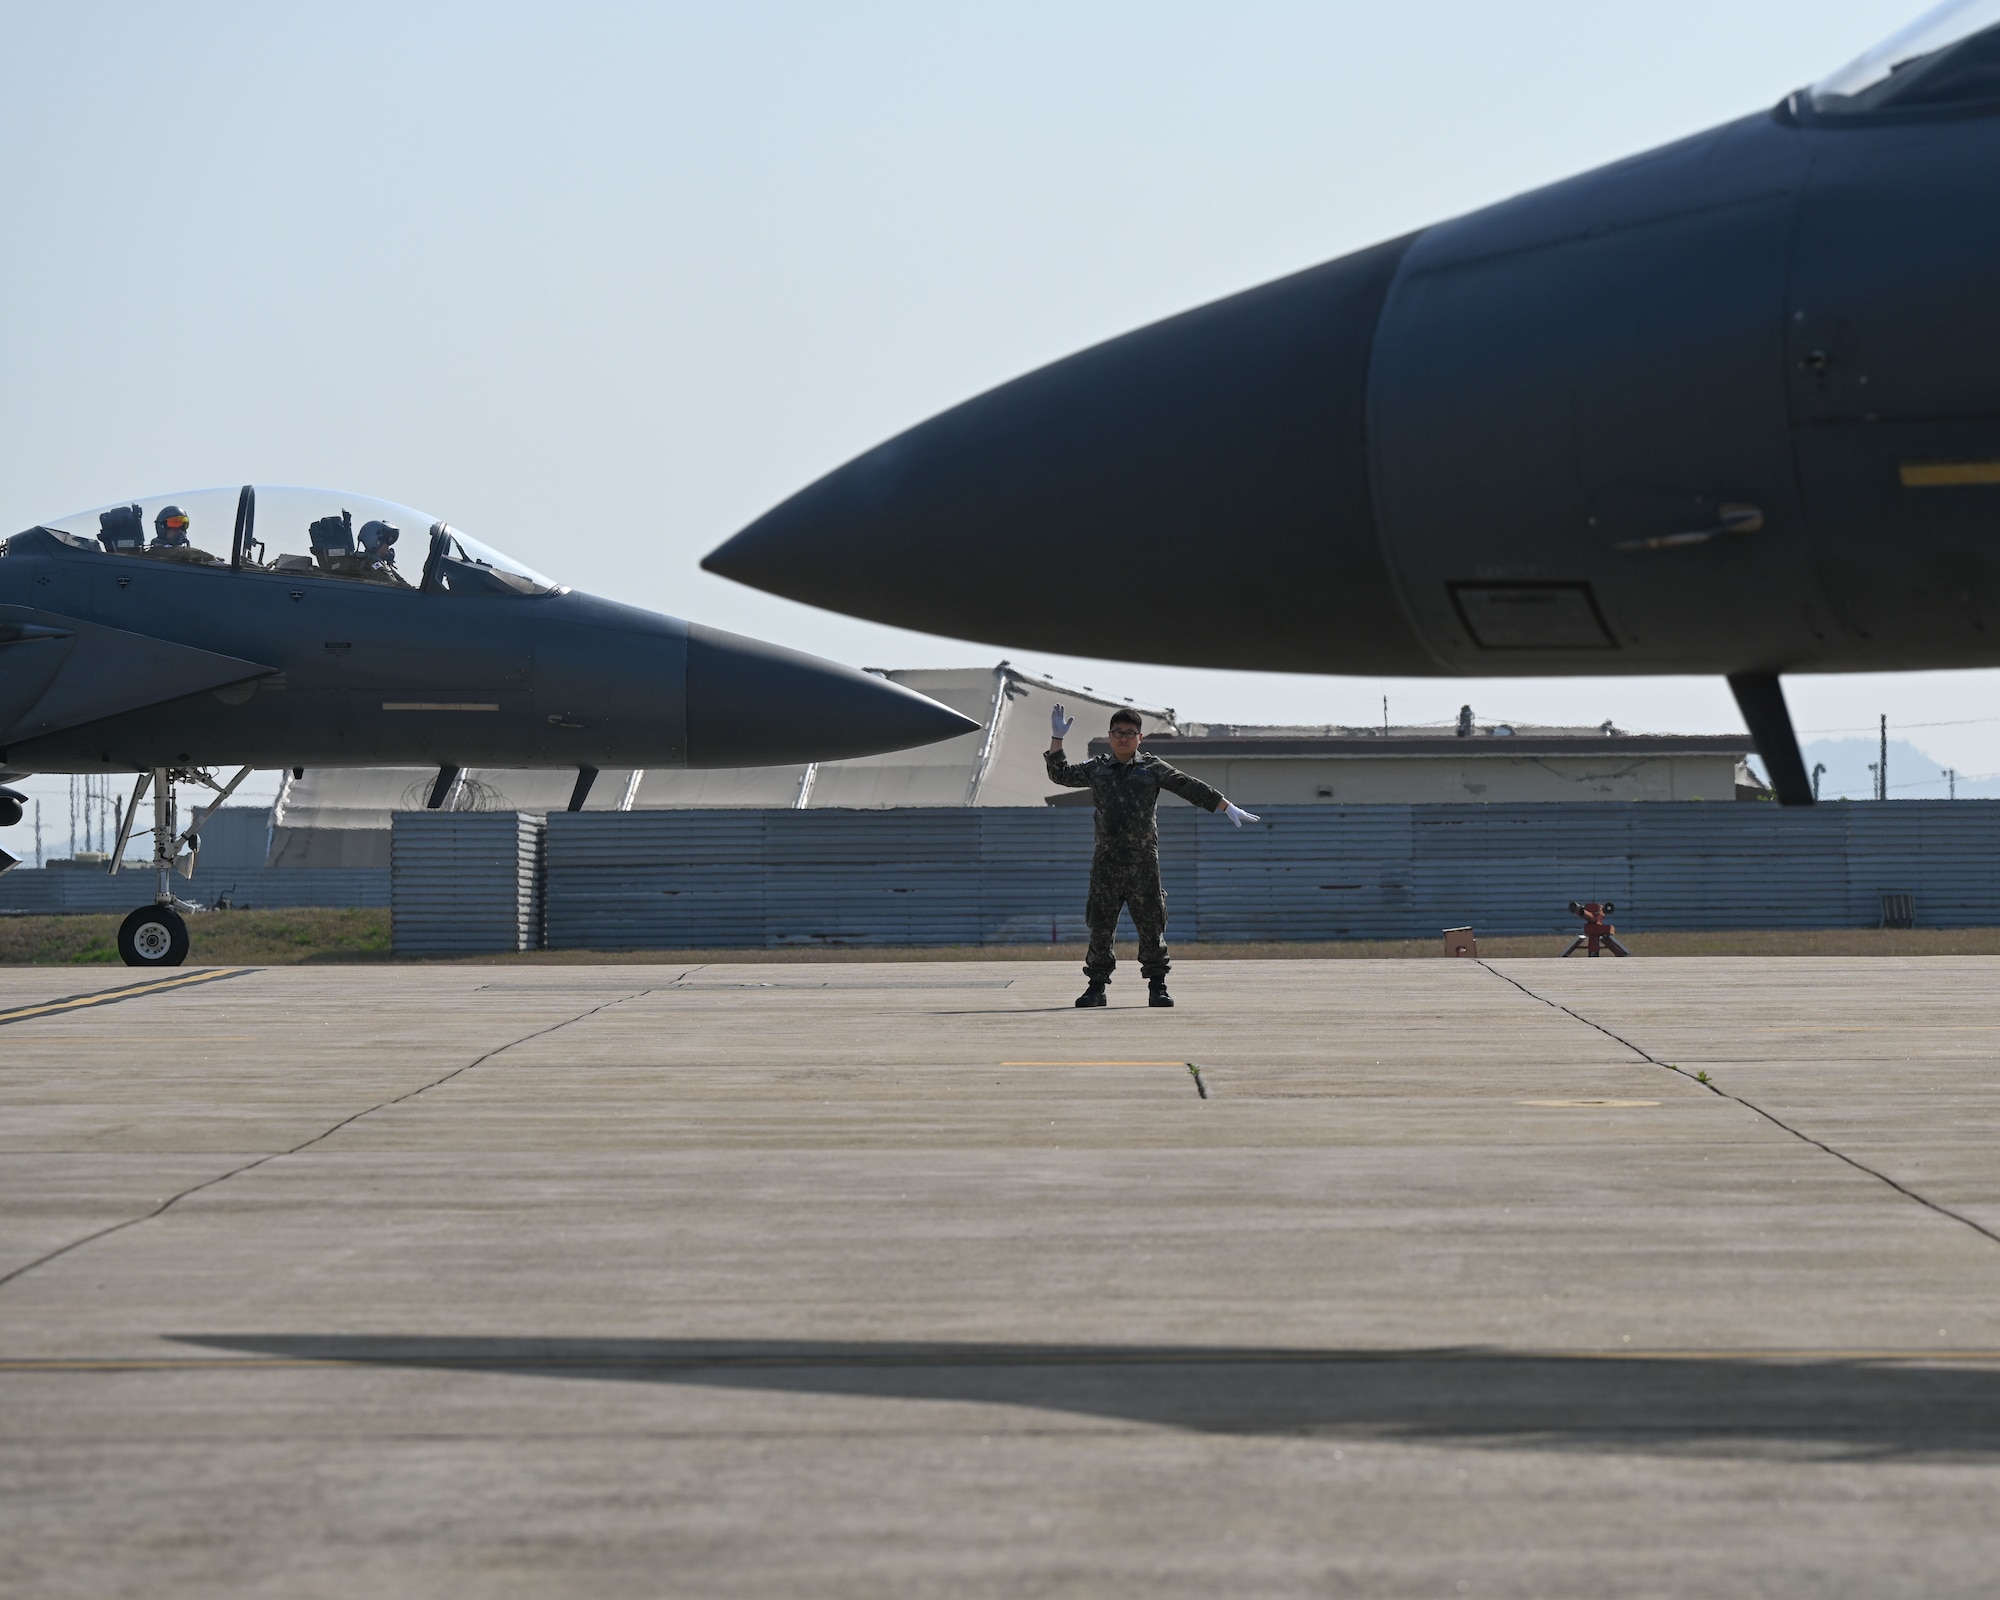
(217,938)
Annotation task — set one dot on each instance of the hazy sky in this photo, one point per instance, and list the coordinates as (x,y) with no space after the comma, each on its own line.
(601,283)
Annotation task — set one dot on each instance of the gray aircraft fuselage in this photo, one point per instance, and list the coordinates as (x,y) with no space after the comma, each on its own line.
(130,662)
(1731,406)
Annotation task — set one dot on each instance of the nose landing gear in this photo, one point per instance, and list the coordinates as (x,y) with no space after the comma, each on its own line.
(153,936)
(157,935)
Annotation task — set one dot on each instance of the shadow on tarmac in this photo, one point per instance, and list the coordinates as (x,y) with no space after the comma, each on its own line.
(1853,1405)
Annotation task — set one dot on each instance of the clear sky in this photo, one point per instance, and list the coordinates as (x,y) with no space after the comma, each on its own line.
(601,283)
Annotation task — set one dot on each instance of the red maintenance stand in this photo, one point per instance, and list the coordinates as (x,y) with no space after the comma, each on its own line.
(1596,931)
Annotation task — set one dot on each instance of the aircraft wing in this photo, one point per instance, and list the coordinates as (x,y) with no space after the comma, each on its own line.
(60,672)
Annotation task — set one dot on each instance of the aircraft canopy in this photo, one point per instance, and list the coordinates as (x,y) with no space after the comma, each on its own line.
(1947,61)
(304,533)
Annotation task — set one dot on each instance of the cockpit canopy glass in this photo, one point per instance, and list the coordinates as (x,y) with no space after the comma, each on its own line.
(460,565)
(1948,60)
(302,533)
(192,527)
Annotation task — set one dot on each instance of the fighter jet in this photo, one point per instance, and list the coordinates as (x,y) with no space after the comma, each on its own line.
(309,628)
(1731,406)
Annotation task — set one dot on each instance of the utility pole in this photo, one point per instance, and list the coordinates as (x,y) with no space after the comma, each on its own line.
(1951,782)
(38,833)
(1385,713)
(1882,766)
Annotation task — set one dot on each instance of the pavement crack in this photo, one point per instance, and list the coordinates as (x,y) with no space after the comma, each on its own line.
(1776,1121)
(324,1134)
(1580,1017)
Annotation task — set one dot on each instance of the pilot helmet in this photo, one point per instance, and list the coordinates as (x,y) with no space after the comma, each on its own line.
(170,526)
(378,537)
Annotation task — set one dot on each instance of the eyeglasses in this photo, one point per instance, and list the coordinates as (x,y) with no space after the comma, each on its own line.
(1124,731)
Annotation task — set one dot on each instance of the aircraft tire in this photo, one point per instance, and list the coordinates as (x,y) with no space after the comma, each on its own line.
(153,936)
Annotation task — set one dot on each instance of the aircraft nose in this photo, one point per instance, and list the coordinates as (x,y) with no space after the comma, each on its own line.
(754,704)
(1202,482)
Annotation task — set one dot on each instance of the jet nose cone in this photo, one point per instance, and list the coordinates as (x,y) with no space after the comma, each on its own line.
(1204,480)
(751,704)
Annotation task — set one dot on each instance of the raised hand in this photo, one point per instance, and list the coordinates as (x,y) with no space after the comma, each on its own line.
(1059,724)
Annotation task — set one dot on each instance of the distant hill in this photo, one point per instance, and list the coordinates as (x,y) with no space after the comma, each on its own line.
(1913,775)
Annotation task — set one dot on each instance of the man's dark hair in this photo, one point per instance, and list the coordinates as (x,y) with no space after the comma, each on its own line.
(1131,717)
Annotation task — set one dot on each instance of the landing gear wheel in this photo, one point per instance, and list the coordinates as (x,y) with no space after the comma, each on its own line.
(153,936)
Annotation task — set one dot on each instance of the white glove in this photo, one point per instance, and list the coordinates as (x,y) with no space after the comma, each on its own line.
(1059,724)
(1238,815)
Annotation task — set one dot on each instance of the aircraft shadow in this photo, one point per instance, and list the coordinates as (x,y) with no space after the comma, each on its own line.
(1852,1407)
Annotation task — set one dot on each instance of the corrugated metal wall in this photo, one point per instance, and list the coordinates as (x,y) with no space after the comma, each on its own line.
(945,875)
(76,889)
(1001,876)
(466,881)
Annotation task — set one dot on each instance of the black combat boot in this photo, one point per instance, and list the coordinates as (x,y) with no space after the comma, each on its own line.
(1094,995)
(1159,995)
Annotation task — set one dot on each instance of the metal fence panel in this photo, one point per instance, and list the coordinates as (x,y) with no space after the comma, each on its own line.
(466,881)
(1515,868)
(830,878)
(655,879)
(1010,875)
(1015,875)
(1033,874)
(1304,872)
(1939,850)
(1738,866)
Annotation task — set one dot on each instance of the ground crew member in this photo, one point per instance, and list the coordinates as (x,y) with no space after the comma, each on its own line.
(1125,867)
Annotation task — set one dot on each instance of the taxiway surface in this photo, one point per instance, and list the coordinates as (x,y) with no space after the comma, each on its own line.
(913,1280)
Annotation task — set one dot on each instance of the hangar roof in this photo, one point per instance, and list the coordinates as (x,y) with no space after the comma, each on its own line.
(1240,741)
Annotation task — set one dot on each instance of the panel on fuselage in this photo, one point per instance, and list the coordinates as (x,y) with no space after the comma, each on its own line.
(1570,386)
(1893,345)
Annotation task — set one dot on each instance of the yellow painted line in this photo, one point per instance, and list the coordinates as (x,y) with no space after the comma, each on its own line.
(1586,1102)
(134,991)
(1949,474)
(1093,1063)
(169,1364)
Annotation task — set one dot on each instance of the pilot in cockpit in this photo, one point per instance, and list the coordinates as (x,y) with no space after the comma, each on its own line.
(378,551)
(170,529)
(378,541)
(170,539)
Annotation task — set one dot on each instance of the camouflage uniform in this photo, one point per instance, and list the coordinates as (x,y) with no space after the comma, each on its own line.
(1125,867)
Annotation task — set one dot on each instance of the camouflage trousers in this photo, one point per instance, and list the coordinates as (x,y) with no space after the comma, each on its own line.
(1116,882)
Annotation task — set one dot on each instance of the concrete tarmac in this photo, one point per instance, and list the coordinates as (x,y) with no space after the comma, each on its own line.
(912,1280)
